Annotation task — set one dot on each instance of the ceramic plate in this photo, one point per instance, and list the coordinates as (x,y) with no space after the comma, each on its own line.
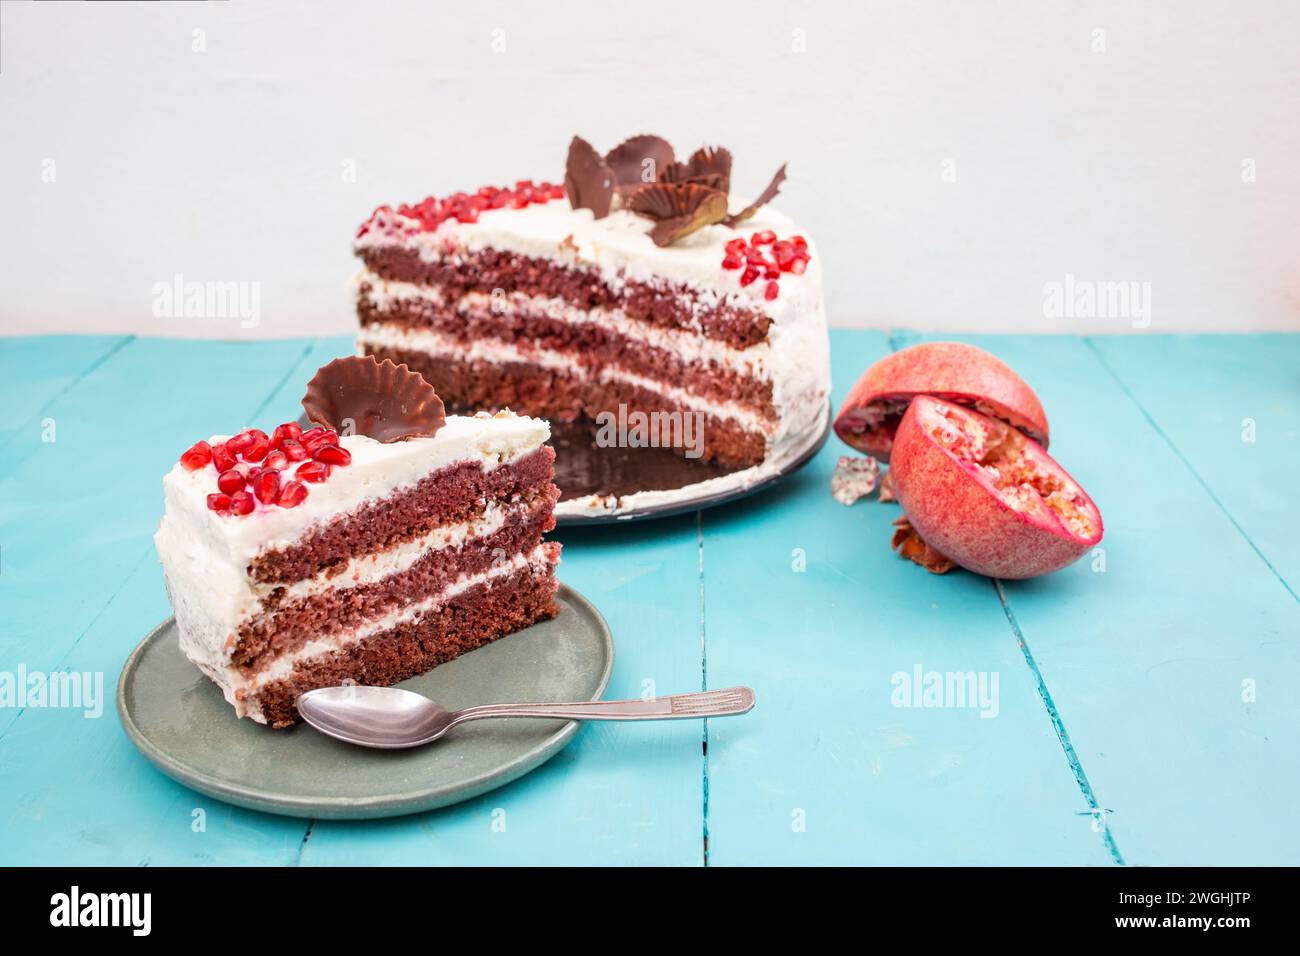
(180,721)
(583,469)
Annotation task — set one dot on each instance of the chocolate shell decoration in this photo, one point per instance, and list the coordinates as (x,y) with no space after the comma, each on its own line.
(386,402)
(643,172)
(678,209)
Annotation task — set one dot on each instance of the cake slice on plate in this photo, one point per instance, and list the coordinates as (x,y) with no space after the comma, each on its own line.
(378,543)
(640,286)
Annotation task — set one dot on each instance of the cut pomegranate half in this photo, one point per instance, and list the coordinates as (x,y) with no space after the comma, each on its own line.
(950,370)
(986,496)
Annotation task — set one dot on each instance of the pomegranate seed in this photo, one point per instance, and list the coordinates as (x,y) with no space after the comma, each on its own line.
(198,456)
(771,272)
(239,443)
(783,252)
(771,291)
(218,502)
(222,458)
(736,246)
(293,450)
(257,450)
(266,486)
(503,199)
(748,276)
(762,238)
(230,482)
(798,266)
(467,216)
(800,241)
(731,262)
(241,503)
(276,459)
(333,455)
(289,430)
(313,471)
(292,494)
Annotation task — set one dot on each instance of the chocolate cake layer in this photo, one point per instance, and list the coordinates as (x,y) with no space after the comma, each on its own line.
(445,496)
(592,344)
(469,620)
(287,625)
(555,393)
(664,304)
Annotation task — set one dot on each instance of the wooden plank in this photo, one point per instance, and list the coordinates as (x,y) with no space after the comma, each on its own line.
(828,769)
(34,371)
(1150,662)
(81,586)
(1229,406)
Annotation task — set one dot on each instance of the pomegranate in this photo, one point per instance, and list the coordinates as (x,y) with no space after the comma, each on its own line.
(950,370)
(984,495)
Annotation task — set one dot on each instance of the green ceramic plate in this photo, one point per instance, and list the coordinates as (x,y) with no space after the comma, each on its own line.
(180,721)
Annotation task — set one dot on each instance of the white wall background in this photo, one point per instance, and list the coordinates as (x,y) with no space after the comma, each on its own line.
(1129,163)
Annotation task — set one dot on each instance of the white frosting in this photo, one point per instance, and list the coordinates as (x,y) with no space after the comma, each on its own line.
(205,556)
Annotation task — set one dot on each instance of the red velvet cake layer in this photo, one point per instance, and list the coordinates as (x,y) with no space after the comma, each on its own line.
(469,620)
(446,496)
(554,393)
(663,304)
(592,344)
(286,625)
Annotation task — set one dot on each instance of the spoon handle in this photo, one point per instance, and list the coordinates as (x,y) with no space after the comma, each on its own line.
(710,703)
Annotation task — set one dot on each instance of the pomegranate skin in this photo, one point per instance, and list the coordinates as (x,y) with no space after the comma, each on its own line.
(959,510)
(952,370)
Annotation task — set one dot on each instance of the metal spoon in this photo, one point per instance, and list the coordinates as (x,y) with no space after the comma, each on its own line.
(392,718)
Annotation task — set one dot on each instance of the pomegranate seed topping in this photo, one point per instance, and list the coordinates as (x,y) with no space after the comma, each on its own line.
(222,458)
(276,459)
(293,450)
(289,430)
(800,241)
(313,471)
(799,266)
(218,502)
(292,494)
(736,246)
(241,503)
(764,237)
(266,485)
(230,482)
(732,262)
(198,456)
(771,272)
(771,292)
(748,276)
(257,450)
(783,252)
(333,455)
(238,444)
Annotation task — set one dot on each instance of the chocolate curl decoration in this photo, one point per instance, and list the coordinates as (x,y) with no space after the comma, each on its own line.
(587,179)
(383,401)
(708,166)
(678,209)
(632,160)
(765,197)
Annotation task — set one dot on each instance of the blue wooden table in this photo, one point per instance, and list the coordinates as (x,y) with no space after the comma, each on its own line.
(1146,708)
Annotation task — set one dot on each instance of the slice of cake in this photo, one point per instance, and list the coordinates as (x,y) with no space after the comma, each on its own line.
(384,540)
(640,287)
